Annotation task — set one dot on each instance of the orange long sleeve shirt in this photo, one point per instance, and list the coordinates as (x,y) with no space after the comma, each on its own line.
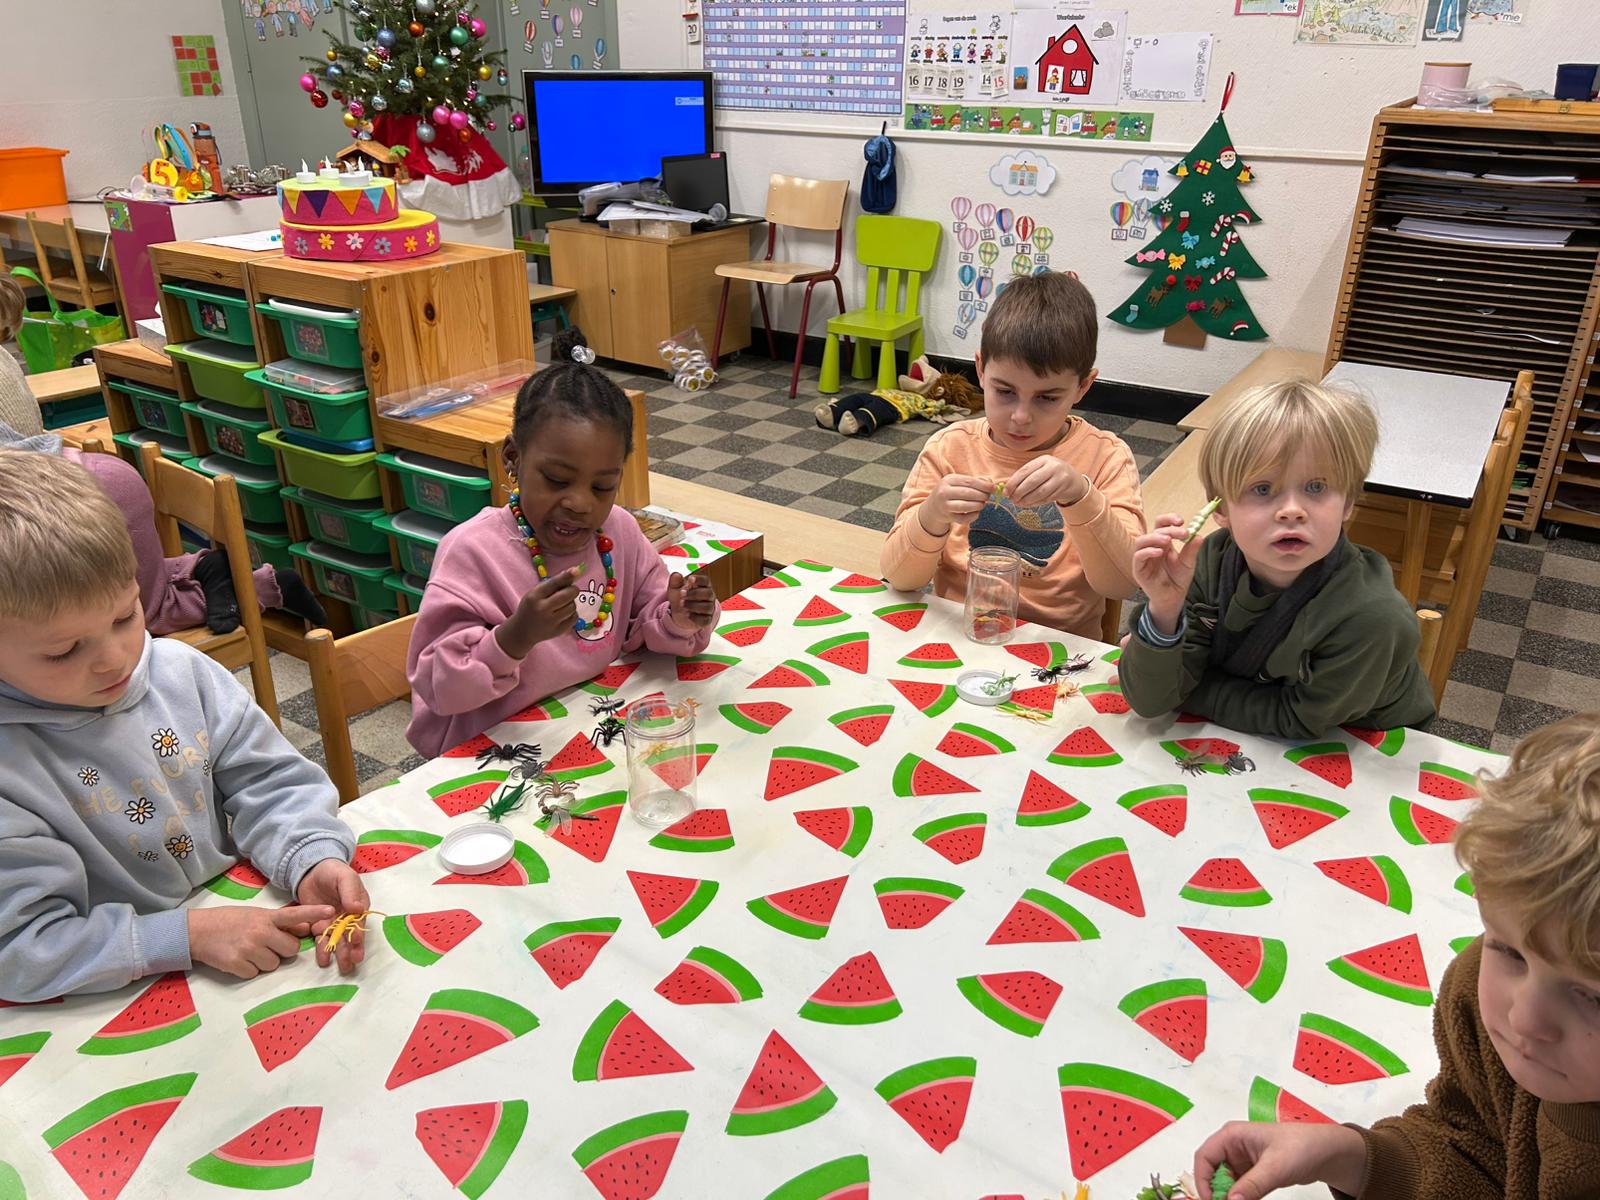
(1094,558)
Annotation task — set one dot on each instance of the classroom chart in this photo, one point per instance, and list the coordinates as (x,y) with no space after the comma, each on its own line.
(958,56)
(905,939)
(797,56)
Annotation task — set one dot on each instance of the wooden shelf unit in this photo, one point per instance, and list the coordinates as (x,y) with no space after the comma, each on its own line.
(1482,310)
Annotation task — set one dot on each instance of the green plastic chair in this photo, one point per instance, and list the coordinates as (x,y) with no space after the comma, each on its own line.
(896,251)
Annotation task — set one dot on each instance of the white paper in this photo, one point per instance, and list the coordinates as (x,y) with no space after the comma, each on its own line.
(1168,67)
(1082,70)
(1360,23)
(266,239)
(957,56)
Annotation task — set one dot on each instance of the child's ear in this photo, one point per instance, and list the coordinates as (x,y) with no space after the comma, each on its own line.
(1083,388)
(508,459)
(1221,515)
(977,365)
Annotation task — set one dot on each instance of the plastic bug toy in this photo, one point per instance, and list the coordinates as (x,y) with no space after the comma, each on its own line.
(611,726)
(1078,662)
(506,801)
(344,925)
(1232,764)
(521,754)
(555,802)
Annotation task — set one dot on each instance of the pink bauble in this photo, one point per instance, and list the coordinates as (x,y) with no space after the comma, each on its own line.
(490,126)
(518,122)
(308,83)
(441,115)
(478,28)
(357,109)
(462,18)
(458,120)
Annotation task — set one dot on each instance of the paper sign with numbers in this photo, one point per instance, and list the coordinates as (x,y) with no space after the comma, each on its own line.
(832,56)
(958,56)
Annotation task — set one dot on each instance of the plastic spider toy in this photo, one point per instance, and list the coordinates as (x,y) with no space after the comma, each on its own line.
(555,802)
(520,754)
(1078,662)
(1236,763)
(611,726)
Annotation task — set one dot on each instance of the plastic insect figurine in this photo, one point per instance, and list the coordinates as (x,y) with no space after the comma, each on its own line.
(1235,763)
(344,925)
(1197,522)
(1078,662)
(998,686)
(516,753)
(555,802)
(507,800)
(611,726)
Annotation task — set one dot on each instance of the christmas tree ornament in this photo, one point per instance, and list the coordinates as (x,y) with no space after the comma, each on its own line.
(386,38)
(466,135)
(472,92)
(458,120)
(463,17)
(459,36)
(338,96)
(490,126)
(380,103)
(426,133)
(333,55)
(319,99)
(455,51)
(420,71)
(414,29)
(484,72)
(383,53)
(357,109)
(440,114)
(502,76)
(441,63)
(308,83)
(334,71)
(350,119)
(477,28)
(518,122)
(425,8)
(373,61)
(404,85)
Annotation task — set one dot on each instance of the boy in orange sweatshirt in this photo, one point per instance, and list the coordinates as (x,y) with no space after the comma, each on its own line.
(1065,495)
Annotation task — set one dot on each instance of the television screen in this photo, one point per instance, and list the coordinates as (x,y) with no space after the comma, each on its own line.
(590,127)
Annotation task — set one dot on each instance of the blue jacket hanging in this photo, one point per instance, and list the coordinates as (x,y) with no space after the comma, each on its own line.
(878,182)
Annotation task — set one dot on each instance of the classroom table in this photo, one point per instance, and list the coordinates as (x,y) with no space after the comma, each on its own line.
(892,859)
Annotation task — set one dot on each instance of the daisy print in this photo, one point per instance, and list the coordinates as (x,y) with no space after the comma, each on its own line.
(181,846)
(164,742)
(88,776)
(139,810)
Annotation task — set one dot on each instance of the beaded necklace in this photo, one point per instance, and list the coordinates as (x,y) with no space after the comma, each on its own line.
(601,543)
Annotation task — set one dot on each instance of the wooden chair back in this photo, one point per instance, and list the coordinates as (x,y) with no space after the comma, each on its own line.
(1111,622)
(211,507)
(350,675)
(807,203)
(896,251)
(86,288)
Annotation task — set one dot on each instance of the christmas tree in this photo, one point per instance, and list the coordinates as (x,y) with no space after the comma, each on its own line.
(1199,257)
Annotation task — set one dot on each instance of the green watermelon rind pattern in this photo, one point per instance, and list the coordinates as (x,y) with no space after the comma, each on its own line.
(987,737)
(132,1043)
(1125,1083)
(1274,967)
(1063,912)
(763,910)
(731,714)
(507,1134)
(461,781)
(1355,1040)
(824,1179)
(555,930)
(932,664)
(736,974)
(25,1043)
(981,999)
(1404,824)
(1162,992)
(1080,856)
(1316,804)
(1262,1107)
(895,884)
(1380,986)
(507,1014)
(777,1120)
(699,900)
(404,943)
(411,837)
(920,1075)
(231,889)
(168,1087)
(1221,898)
(256,1176)
(605,1141)
(933,828)
(586,1062)
(335,993)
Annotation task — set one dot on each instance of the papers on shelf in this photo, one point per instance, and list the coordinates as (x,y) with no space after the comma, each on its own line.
(266,239)
(1527,236)
(1499,178)
(640,211)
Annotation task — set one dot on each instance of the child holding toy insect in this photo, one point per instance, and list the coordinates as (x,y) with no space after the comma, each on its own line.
(1514,1112)
(1027,475)
(136,769)
(1277,624)
(546,592)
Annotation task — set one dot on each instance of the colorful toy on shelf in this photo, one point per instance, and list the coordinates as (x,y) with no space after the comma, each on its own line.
(351,216)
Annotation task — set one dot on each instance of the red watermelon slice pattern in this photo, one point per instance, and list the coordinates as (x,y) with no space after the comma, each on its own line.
(858,584)
(1269,1103)
(1084,748)
(1102,869)
(1257,964)
(239,882)
(1394,969)
(847,830)
(781,1092)
(1385,741)
(1040,917)
(704,831)
(757,716)
(16,1052)
(1328,761)
(1446,783)
(858,993)
(592,837)
(1020,1001)
(820,611)
(1377,877)
(707,976)
(795,768)
(1334,1053)
(630,1160)
(847,651)
(612,678)
(672,902)
(910,902)
(278,1151)
(1164,806)
(380,849)
(619,1045)
(932,1097)
(457,1024)
(548,709)
(1225,882)
(1040,699)
(578,759)
(864,725)
(838,1179)
(744,633)
(914,776)
(1287,817)
(904,617)
(101,1145)
(1042,655)
(957,838)
(565,950)
(938,655)
(1043,803)
(162,1013)
(1110,1113)
(700,667)
(1173,1011)
(965,740)
(791,673)
(1419,825)
(804,912)
(740,603)
(471,1143)
(470,748)
(930,699)
(459,796)
(424,938)
(280,1028)
(525,867)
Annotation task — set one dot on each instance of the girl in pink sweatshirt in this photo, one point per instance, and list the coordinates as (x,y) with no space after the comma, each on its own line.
(545,593)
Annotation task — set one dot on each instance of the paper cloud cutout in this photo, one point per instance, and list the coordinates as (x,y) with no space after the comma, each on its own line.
(1023,174)
(1145,178)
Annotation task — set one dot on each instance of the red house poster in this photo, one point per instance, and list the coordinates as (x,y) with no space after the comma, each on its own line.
(1068,57)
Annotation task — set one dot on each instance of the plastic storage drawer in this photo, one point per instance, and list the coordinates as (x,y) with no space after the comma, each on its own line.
(269,544)
(217,369)
(408,587)
(175,448)
(417,538)
(153,408)
(258,487)
(370,618)
(345,575)
(437,486)
(336,417)
(351,524)
(221,313)
(233,431)
(341,476)
(316,334)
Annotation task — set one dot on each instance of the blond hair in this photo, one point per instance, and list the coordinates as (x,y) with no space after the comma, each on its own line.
(13,302)
(1263,429)
(1046,322)
(1533,843)
(63,542)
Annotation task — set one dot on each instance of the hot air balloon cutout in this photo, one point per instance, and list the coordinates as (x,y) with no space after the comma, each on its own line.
(599,54)
(556,26)
(987,253)
(575,19)
(967,275)
(959,208)
(984,214)
(1004,220)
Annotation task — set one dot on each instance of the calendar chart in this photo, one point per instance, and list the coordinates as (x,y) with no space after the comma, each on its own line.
(792,56)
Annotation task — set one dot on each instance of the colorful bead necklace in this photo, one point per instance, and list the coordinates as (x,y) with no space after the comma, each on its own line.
(601,543)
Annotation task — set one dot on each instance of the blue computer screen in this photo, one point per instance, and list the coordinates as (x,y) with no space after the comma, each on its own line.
(597,129)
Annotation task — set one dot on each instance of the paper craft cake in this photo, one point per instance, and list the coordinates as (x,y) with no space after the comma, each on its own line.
(351,216)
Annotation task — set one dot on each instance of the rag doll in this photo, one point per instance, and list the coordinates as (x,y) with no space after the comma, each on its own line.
(923,392)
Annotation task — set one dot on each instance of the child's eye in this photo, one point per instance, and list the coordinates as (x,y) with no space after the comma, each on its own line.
(1316,487)
(1261,489)
(63,656)
(124,619)
(1502,948)
(1587,999)
(605,488)
(556,483)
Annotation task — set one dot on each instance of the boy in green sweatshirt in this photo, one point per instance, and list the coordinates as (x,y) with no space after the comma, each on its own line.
(1514,1113)
(1277,624)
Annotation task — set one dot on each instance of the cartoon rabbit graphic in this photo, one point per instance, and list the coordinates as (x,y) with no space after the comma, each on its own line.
(588,606)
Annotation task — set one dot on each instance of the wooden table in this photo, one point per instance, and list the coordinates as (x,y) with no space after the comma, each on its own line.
(963,802)
(66,384)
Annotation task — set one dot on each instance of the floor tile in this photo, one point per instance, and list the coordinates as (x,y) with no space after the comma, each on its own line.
(772,495)
(1510,583)
(1457,732)
(1519,717)
(1470,705)
(824,508)
(681,411)
(1494,638)
(1533,681)
(857,495)
(740,445)
(1488,671)
(758,410)
(681,435)
(703,458)
(793,479)
(863,449)
(1565,622)
(1576,570)
(766,431)
(878,476)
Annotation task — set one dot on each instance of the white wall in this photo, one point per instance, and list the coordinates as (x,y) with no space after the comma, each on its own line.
(1300,114)
(93,76)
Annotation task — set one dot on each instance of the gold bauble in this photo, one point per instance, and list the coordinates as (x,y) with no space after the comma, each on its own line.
(420,71)
(333,55)
(485,71)
(350,120)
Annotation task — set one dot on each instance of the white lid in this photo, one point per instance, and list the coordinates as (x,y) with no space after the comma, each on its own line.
(477,849)
(439,466)
(228,352)
(969,686)
(420,525)
(216,464)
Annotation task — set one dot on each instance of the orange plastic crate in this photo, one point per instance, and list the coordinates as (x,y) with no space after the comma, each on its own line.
(31,176)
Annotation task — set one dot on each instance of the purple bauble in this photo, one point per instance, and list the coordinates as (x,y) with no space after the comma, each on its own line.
(478,28)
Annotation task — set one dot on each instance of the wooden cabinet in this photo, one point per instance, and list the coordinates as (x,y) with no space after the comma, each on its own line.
(634,292)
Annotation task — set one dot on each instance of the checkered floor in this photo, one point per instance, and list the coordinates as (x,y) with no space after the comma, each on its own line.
(1534,654)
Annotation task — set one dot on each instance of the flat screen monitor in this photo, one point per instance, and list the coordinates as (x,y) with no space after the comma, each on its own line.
(696,181)
(588,127)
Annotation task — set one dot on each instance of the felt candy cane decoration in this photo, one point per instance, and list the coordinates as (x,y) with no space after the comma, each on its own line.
(1225,273)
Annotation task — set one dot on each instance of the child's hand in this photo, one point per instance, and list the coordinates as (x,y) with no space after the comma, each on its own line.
(248,941)
(1046,480)
(955,500)
(691,603)
(334,883)
(1164,570)
(549,608)
(1266,1157)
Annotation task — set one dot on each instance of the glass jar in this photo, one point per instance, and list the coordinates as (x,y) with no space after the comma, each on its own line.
(663,761)
(994,578)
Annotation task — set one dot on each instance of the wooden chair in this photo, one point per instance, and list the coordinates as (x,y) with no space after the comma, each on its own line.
(1430,624)
(211,506)
(896,252)
(88,287)
(792,203)
(350,675)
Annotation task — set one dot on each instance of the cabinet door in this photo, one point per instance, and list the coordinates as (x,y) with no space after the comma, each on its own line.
(641,305)
(578,261)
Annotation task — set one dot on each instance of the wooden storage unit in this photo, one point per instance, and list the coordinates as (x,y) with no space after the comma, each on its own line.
(634,292)
(133,360)
(1484,310)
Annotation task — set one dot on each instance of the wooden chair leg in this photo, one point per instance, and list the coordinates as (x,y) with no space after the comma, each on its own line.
(722,315)
(887,378)
(766,321)
(828,378)
(800,340)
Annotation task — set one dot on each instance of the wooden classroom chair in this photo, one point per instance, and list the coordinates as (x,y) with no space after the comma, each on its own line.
(896,252)
(350,675)
(792,203)
(87,287)
(211,506)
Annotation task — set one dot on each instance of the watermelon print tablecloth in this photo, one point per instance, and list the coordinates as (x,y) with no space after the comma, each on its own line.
(904,940)
(703,542)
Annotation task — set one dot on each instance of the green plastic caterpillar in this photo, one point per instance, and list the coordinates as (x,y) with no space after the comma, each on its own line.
(1221,1182)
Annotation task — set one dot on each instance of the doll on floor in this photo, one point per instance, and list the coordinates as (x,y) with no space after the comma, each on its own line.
(923,392)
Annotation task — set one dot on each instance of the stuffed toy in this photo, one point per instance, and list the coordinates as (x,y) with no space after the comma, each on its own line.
(942,398)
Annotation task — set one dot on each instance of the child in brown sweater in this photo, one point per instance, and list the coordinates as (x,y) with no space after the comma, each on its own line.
(1514,1113)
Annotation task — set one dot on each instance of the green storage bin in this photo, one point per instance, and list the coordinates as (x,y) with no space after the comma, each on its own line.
(356,579)
(217,369)
(258,486)
(350,524)
(59,414)
(371,618)
(215,312)
(341,417)
(268,544)
(154,408)
(340,476)
(417,538)
(437,486)
(175,448)
(315,334)
(408,586)
(233,431)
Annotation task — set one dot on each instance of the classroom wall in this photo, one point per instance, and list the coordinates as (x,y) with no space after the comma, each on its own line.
(91,76)
(1300,114)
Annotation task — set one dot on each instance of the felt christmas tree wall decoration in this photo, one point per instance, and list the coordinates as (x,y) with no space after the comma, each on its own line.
(1199,257)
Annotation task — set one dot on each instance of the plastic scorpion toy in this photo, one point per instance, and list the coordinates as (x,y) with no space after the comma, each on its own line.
(344,925)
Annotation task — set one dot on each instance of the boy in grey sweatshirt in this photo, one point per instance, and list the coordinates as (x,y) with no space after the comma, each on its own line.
(134,770)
